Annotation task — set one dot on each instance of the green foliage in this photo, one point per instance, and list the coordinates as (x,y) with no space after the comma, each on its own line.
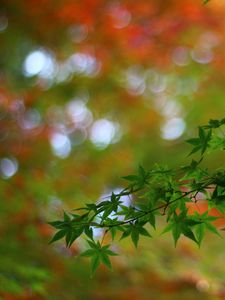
(202,142)
(99,254)
(160,192)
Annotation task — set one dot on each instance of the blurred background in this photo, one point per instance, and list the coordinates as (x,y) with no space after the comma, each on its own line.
(88,91)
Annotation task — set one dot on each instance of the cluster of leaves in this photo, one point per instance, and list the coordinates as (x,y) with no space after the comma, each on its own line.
(160,192)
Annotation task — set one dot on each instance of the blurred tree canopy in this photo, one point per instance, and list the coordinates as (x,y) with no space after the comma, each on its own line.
(88,91)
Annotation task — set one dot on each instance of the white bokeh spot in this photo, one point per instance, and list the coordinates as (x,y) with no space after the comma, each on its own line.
(104,132)
(173,129)
(39,62)
(61,145)
(8,167)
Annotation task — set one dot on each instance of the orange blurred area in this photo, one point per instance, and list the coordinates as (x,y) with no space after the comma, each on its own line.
(201,207)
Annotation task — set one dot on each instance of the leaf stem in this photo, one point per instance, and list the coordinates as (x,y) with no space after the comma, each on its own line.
(163,206)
